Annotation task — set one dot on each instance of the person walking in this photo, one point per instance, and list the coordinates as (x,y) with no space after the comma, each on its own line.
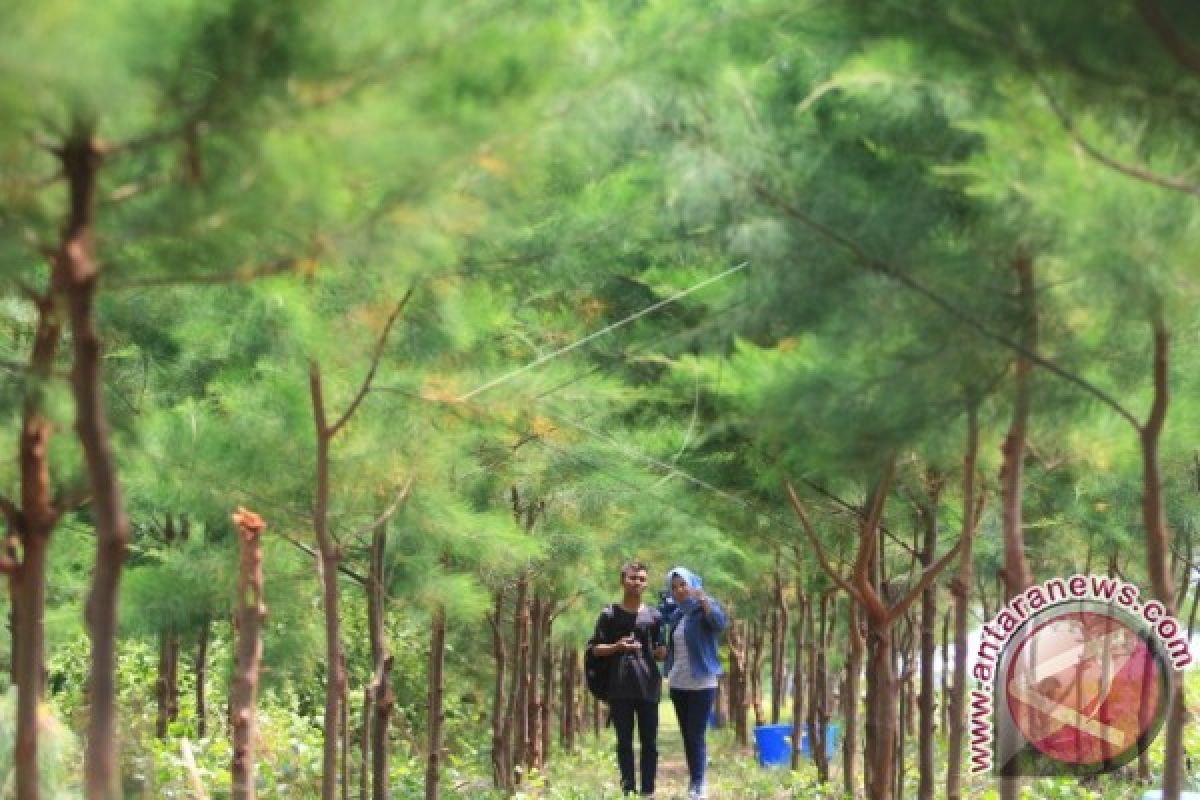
(630,633)
(693,668)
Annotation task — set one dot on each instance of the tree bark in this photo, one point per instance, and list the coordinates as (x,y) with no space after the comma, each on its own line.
(1017,574)
(31,526)
(518,718)
(960,587)
(547,704)
(437,663)
(382,704)
(501,773)
(757,657)
(850,699)
(818,693)
(568,699)
(76,271)
(779,633)
(802,646)
(925,736)
(200,666)
(251,611)
(167,684)
(1158,547)
(533,698)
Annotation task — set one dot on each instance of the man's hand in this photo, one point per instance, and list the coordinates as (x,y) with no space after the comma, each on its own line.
(660,653)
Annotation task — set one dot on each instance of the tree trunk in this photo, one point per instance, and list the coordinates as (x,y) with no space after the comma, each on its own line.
(382,703)
(568,699)
(328,559)
(850,699)
(944,703)
(200,666)
(437,663)
(818,693)
(881,722)
(802,645)
(960,587)
(518,711)
(32,526)
(738,676)
(925,736)
(779,632)
(251,611)
(76,271)
(1158,548)
(1016,573)
(533,699)
(166,686)
(501,773)
(547,704)
(757,657)
(377,705)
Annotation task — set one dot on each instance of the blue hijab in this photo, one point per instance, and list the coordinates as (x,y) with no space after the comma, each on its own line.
(693,581)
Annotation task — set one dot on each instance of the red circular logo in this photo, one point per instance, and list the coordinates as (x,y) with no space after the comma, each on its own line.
(1083,687)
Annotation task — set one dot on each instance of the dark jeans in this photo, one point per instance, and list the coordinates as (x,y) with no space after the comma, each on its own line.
(622,713)
(692,707)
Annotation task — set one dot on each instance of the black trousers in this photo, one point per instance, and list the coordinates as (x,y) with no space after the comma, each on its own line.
(623,713)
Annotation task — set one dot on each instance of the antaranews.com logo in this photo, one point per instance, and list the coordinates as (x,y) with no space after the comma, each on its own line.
(1073,677)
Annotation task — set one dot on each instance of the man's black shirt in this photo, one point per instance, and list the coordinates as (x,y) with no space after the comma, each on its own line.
(633,675)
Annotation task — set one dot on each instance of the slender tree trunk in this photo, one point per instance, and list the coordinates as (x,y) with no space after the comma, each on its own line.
(1157,550)
(364,746)
(329,558)
(518,711)
(533,699)
(818,693)
(32,526)
(944,703)
(29,661)
(779,632)
(200,666)
(960,587)
(738,677)
(251,611)
(547,704)
(76,271)
(383,703)
(568,699)
(850,699)
(379,699)
(501,773)
(437,663)
(925,736)
(802,645)
(1016,573)
(167,686)
(345,737)
(757,657)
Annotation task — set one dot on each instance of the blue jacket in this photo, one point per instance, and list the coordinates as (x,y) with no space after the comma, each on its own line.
(701,632)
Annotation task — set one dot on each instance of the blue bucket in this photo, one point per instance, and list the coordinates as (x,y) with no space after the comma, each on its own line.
(774,745)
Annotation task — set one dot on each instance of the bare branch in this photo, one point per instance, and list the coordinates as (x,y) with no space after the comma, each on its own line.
(1130,170)
(366,384)
(927,577)
(816,543)
(342,568)
(388,513)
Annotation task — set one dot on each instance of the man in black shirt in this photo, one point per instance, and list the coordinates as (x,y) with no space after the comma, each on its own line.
(631,633)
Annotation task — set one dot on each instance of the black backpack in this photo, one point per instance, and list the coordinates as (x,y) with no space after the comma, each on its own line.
(596,670)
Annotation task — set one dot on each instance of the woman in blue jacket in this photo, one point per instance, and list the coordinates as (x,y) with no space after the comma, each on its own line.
(693,667)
